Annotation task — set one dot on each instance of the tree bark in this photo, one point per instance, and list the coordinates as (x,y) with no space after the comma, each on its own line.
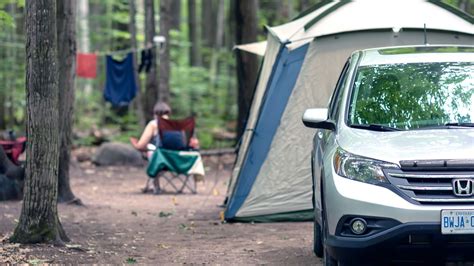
(466,6)
(194,53)
(231,98)
(303,5)
(84,40)
(247,63)
(218,41)
(133,42)
(176,14)
(164,74)
(3,91)
(286,9)
(207,23)
(39,220)
(151,88)
(66,31)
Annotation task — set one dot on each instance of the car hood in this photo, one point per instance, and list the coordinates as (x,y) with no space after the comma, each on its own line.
(395,146)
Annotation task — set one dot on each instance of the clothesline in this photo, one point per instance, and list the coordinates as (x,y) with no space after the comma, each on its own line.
(122,51)
(99,53)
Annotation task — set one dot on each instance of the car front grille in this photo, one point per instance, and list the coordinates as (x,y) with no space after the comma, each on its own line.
(429,187)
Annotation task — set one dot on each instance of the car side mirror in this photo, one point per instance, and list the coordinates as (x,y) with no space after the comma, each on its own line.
(318,118)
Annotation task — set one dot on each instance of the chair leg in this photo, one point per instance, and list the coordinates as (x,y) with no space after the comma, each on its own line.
(170,181)
(156,185)
(192,187)
(147,185)
(185,181)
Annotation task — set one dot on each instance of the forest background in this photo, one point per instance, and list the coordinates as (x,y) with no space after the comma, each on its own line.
(197,70)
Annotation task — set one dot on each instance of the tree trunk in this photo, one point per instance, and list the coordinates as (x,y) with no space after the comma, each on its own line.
(303,5)
(247,63)
(66,30)
(286,10)
(151,89)
(3,91)
(466,6)
(207,23)
(194,53)
(165,24)
(230,99)
(218,40)
(84,41)
(133,42)
(175,14)
(39,220)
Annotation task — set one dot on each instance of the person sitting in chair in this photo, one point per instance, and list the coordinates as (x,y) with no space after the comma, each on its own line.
(151,135)
(150,140)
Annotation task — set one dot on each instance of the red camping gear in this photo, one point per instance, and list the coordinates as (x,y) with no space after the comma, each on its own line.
(13,148)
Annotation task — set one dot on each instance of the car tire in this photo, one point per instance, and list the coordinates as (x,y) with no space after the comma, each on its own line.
(318,240)
(328,260)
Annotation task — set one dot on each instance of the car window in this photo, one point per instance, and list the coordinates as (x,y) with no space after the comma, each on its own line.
(413,95)
(336,97)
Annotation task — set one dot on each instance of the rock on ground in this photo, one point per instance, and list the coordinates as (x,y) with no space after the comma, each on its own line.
(113,153)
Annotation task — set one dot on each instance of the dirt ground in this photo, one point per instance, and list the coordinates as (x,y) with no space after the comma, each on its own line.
(120,225)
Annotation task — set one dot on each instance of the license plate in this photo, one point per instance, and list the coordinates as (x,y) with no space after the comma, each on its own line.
(457,221)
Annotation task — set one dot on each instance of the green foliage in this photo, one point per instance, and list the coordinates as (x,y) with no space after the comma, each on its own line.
(410,96)
(130,260)
(5,19)
(195,91)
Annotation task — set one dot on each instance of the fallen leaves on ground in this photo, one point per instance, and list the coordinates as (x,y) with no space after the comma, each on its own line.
(12,253)
(165,214)
(76,247)
(163,246)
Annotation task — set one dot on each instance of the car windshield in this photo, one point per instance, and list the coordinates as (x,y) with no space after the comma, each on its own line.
(413,95)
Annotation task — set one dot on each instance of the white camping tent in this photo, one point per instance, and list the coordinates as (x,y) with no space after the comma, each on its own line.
(272,178)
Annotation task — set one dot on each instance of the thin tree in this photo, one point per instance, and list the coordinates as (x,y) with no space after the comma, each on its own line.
(39,221)
(194,53)
(165,26)
(132,25)
(83,38)
(151,88)
(66,30)
(207,23)
(218,42)
(175,14)
(247,63)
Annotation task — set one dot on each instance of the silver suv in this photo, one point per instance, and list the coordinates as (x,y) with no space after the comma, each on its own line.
(393,157)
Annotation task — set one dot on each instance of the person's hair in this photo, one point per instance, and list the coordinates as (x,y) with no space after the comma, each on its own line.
(161,108)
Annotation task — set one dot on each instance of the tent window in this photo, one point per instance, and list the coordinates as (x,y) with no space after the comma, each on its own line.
(336,96)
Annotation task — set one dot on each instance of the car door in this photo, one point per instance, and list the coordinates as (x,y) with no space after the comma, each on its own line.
(322,136)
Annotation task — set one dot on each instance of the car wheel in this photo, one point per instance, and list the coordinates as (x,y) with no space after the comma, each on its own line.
(317,240)
(327,259)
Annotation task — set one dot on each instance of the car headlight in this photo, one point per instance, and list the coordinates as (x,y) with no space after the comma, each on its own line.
(360,168)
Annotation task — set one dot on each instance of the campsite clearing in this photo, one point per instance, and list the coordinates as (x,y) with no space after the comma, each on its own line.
(120,225)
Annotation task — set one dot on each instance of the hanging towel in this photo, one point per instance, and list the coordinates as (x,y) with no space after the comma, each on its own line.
(120,86)
(147,59)
(86,65)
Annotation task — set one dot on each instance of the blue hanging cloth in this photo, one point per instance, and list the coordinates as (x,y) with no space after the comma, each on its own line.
(120,86)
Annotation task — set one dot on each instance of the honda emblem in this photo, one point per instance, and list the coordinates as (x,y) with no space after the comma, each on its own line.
(463,187)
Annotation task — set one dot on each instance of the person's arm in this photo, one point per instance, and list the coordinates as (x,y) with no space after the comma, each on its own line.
(145,138)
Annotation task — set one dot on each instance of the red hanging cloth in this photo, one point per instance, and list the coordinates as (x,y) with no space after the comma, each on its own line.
(86,65)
